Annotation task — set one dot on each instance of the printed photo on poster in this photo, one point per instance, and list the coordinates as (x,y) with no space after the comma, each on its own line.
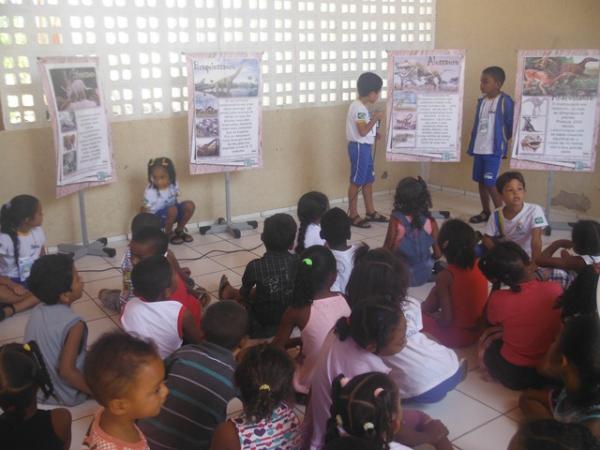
(225,121)
(557,109)
(425,90)
(75,88)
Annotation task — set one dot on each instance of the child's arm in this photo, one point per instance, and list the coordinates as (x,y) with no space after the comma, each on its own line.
(487,241)
(16,289)
(225,438)
(536,243)
(61,424)
(67,369)
(292,317)
(431,304)
(191,333)
(391,235)
(534,404)
(175,265)
(437,252)
(364,127)
(248,282)
(565,262)
(443,283)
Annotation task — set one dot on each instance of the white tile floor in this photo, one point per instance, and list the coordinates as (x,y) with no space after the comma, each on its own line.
(479,414)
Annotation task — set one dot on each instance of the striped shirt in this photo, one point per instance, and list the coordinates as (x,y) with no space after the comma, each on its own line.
(200,382)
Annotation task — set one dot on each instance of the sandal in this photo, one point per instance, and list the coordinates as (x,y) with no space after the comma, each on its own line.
(183,235)
(223,283)
(175,239)
(376,217)
(483,216)
(359,222)
(3,314)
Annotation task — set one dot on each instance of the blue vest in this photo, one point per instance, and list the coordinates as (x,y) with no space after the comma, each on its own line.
(503,125)
(415,250)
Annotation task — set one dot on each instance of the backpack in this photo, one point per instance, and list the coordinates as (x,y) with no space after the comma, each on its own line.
(415,250)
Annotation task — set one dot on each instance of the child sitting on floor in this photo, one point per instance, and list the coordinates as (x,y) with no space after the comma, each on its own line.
(368,407)
(517,220)
(60,333)
(585,242)
(115,299)
(412,232)
(335,229)
(160,198)
(127,377)
(268,282)
(22,241)
(525,313)
(22,424)
(153,242)
(264,378)
(202,372)
(424,370)
(453,309)
(152,314)
(579,400)
(311,208)
(315,309)
(552,435)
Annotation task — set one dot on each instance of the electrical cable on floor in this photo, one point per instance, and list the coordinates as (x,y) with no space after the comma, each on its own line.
(204,255)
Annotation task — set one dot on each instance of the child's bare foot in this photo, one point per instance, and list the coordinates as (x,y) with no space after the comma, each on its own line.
(110,298)
(6,310)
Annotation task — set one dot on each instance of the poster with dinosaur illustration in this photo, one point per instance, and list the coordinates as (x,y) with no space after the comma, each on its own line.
(424,109)
(225,116)
(79,121)
(557,110)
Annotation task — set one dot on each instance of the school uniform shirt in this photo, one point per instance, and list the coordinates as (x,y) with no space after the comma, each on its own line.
(312,236)
(156,200)
(30,247)
(423,363)
(336,357)
(484,139)
(518,229)
(590,259)
(160,321)
(358,112)
(529,321)
(345,263)
(200,382)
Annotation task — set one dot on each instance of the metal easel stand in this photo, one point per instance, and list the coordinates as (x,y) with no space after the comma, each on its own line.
(564,226)
(424,171)
(226,225)
(96,248)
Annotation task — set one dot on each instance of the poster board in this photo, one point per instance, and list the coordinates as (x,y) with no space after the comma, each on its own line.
(557,110)
(424,108)
(76,107)
(225,111)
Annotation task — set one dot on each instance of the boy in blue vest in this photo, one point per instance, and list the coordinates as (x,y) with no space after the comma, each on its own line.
(492,130)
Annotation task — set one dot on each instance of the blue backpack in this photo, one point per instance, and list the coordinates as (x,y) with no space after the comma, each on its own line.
(415,250)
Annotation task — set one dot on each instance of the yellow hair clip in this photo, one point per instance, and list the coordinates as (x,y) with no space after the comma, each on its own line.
(264,387)
(26,347)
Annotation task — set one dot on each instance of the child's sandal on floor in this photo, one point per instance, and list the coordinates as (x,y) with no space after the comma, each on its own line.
(359,222)
(184,235)
(175,239)
(376,217)
(223,283)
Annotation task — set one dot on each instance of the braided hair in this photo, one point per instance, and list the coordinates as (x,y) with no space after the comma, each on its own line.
(548,434)
(413,199)
(580,296)
(372,321)
(165,163)
(22,373)
(13,214)
(317,266)
(311,208)
(457,241)
(505,264)
(367,407)
(264,378)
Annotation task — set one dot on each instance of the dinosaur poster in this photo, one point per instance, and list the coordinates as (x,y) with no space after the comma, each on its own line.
(225,112)
(424,110)
(557,110)
(79,121)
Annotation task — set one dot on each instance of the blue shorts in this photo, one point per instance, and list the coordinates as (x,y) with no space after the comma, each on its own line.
(361,163)
(162,213)
(486,168)
(438,392)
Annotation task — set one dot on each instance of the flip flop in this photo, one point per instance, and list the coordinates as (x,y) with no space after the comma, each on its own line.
(376,217)
(223,283)
(175,239)
(183,235)
(359,222)
(481,217)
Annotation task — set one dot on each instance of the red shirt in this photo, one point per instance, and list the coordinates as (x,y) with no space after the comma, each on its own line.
(469,292)
(182,296)
(528,319)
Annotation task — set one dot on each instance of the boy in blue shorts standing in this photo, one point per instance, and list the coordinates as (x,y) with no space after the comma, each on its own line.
(361,132)
(492,130)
